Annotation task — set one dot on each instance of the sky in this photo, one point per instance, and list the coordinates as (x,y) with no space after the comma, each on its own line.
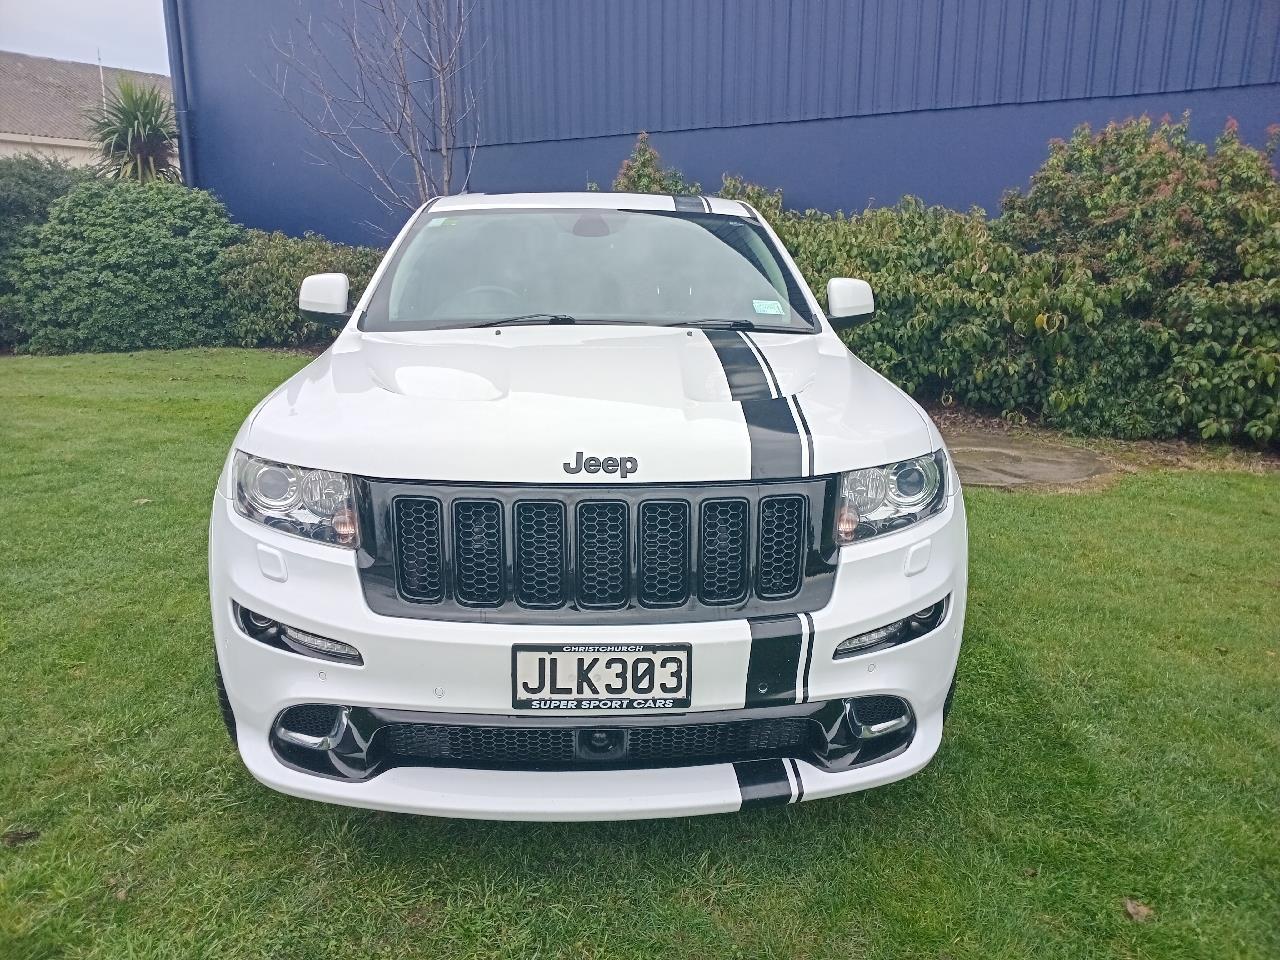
(128,33)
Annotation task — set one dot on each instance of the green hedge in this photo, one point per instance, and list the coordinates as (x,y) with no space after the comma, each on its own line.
(123,267)
(28,184)
(1187,244)
(260,277)
(1133,291)
(963,317)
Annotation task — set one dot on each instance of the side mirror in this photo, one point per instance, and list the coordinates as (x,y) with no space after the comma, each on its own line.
(849,302)
(323,298)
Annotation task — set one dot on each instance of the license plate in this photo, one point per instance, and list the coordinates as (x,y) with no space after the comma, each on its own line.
(600,676)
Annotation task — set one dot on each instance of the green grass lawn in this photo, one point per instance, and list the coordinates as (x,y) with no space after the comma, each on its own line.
(1116,735)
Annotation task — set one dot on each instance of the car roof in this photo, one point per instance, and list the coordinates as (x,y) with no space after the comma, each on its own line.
(587,200)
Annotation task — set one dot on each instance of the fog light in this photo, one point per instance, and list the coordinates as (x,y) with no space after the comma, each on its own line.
(872,638)
(283,637)
(891,634)
(257,621)
(922,621)
(333,648)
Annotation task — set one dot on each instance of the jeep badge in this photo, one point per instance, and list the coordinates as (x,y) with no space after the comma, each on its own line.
(622,466)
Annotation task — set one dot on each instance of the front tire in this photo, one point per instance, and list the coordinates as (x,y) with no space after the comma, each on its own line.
(224,703)
(951,695)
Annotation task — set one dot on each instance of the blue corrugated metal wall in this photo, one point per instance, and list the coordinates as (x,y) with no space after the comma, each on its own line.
(582,68)
(949,99)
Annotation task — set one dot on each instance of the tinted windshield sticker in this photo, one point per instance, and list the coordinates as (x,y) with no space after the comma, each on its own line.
(771,307)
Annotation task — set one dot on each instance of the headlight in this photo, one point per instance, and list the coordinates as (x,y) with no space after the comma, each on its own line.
(316,504)
(879,500)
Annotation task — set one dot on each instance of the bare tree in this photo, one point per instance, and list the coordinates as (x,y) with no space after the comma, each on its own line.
(386,89)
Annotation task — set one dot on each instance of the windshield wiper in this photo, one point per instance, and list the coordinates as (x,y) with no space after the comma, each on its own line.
(719,323)
(527,319)
(714,323)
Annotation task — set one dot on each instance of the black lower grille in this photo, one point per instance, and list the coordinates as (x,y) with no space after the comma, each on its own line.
(781,737)
(368,741)
(504,746)
(541,747)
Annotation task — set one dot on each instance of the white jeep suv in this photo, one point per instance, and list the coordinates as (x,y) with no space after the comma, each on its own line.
(588,513)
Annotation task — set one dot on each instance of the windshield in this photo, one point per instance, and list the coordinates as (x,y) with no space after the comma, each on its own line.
(675,268)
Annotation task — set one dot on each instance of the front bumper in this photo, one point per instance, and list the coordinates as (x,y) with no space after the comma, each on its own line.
(430,667)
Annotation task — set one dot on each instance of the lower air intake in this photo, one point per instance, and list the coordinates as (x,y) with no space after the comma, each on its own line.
(878,709)
(543,747)
(311,719)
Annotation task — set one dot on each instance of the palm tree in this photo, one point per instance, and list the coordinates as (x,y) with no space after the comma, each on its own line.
(136,134)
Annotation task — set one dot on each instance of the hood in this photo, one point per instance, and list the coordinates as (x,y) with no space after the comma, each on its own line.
(568,404)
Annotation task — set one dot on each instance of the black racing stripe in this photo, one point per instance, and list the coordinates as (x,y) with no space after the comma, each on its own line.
(706,203)
(808,659)
(747,379)
(804,427)
(763,783)
(774,435)
(776,646)
(795,770)
(776,452)
(690,204)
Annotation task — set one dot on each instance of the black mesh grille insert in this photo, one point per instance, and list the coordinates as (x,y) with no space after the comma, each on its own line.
(602,553)
(779,563)
(477,551)
(878,709)
(311,719)
(722,551)
(540,554)
(418,548)
(515,747)
(664,553)
(741,739)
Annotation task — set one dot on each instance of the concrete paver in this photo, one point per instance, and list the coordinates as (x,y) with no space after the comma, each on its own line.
(992,458)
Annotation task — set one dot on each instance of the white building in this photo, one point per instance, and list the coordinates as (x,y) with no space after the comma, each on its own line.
(43,103)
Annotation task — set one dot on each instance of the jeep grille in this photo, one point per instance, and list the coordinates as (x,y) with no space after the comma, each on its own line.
(601,554)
